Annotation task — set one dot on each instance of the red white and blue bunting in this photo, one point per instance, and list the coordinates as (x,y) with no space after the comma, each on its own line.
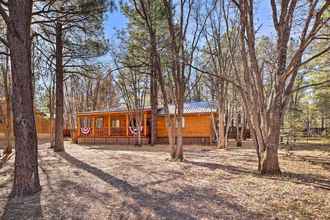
(85,131)
(134,130)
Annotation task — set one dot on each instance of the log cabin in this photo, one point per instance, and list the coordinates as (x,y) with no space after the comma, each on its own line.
(117,125)
(42,121)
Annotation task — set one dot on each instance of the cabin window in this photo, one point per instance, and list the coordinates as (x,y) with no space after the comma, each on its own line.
(183,123)
(115,123)
(85,123)
(99,123)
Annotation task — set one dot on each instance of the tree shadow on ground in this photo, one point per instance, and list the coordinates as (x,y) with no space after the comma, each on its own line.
(316,181)
(201,198)
(305,179)
(167,205)
(25,208)
(148,148)
(321,161)
(307,146)
(143,199)
(227,168)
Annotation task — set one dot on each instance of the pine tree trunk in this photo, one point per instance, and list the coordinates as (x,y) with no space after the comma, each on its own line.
(8,132)
(243,124)
(228,125)
(26,176)
(59,120)
(154,106)
(156,74)
(221,142)
(179,123)
(51,115)
(171,136)
(179,143)
(238,121)
(221,117)
(96,96)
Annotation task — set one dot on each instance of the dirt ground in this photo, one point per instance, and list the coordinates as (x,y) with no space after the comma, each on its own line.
(122,182)
(42,139)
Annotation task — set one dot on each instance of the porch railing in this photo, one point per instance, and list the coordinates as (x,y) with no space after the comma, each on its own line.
(104,132)
(101,132)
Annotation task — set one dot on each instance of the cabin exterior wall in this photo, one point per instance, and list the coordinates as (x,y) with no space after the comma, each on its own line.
(42,122)
(115,128)
(194,125)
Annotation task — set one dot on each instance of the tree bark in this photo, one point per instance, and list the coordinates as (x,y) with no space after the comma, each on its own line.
(243,125)
(179,143)
(169,121)
(171,136)
(221,116)
(154,104)
(26,176)
(51,113)
(270,163)
(238,120)
(8,132)
(221,141)
(96,96)
(147,16)
(257,150)
(229,124)
(59,120)
(154,89)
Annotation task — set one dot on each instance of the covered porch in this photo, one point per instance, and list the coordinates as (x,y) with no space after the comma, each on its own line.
(113,128)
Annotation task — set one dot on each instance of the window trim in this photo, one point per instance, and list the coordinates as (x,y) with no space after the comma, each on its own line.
(97,120)
(85,122)
(115,123)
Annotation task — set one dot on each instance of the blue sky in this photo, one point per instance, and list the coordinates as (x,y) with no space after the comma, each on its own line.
(116,20)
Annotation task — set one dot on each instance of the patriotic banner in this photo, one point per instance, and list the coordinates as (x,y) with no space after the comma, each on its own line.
(134,131)
(85,131)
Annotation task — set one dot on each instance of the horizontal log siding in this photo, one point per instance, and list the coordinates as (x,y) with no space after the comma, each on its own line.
(196,125)
(42,125)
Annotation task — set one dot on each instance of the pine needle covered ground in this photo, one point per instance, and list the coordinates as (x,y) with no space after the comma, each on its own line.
(119,182)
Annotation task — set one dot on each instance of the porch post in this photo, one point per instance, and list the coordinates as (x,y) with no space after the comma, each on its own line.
(127,124)
(109,125)
(93,126)
(78,126)
(145,124)
(211,127)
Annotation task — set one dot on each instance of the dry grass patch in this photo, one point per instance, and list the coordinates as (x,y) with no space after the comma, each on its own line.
(127,182)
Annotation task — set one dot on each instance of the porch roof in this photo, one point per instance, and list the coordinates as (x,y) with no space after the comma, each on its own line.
(189,107)
(119,109)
